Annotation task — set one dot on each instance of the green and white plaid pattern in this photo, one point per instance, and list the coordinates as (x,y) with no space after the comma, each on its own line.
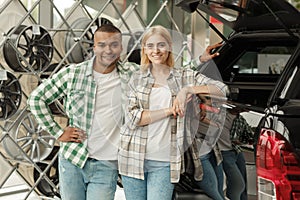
(76,85)
(240,131)
(134,138)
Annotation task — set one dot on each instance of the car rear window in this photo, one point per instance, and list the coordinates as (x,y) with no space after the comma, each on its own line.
(267,60)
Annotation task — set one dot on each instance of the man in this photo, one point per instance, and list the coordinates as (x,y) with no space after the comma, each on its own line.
(92,101)
(92,94)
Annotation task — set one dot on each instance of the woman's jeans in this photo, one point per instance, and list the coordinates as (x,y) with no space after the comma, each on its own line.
(156,184)
(212,181)
(234,166)
(97,180)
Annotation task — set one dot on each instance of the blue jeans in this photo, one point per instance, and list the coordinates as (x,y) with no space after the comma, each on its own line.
(234,166)
(212,181)
(156,184)
(95,181)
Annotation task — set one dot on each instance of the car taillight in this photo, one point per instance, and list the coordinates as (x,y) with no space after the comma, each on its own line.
(278,167)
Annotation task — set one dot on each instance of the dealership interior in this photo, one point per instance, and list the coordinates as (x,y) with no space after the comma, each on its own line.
(40,37)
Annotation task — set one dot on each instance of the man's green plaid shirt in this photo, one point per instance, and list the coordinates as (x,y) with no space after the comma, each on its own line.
(76,85)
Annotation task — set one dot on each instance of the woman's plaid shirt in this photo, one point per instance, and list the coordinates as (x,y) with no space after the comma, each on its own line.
(134,138)
(75,84)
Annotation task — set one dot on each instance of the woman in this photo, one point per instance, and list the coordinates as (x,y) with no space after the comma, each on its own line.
(151,148)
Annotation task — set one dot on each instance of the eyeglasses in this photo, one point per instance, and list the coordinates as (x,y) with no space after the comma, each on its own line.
(160,46)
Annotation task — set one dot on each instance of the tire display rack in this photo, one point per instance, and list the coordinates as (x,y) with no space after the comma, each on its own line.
(32,53)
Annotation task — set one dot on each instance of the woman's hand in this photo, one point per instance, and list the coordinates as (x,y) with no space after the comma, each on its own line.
(72,134)
(180,102)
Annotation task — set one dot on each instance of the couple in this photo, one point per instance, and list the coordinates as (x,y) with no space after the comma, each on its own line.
(96,92)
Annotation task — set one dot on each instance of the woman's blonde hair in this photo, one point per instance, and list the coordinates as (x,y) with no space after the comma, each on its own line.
(162,31)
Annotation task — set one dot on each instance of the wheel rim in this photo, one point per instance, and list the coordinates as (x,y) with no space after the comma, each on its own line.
(10,96)
(36,143)
(79,52)
(135,55)
(37,49)
(53,174)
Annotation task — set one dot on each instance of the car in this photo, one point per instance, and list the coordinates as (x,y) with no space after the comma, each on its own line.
(261,47)
(278,144)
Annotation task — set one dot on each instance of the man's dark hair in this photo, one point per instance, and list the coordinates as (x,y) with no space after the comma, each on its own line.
(108,28)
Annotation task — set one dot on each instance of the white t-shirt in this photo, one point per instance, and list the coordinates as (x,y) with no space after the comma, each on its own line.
(159,132)
(104,139)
